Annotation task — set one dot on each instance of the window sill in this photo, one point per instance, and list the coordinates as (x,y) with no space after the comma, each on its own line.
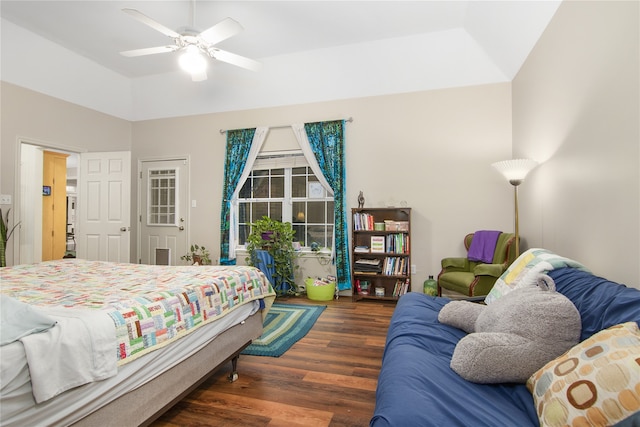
(309,253)
(304,253)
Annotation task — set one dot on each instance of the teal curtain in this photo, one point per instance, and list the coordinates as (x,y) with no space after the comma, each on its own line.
(237,152)
(327,142)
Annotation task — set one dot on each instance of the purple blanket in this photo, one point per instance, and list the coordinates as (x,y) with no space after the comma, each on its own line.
(483,245)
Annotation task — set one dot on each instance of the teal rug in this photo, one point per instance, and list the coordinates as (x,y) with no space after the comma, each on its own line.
(284,325)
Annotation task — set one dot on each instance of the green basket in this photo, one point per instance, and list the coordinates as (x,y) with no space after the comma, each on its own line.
(320,293)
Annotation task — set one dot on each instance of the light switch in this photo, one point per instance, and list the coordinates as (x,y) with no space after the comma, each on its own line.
(194,204)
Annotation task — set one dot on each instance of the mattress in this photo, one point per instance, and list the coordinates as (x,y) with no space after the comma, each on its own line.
(18,407)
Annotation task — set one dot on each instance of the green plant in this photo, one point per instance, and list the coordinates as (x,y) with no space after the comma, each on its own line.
(5,235)
(198,255)
(276,238)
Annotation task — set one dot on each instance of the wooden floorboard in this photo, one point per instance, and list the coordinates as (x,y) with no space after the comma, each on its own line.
(328,378)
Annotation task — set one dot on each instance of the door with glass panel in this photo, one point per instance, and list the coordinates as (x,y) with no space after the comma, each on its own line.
(164,211)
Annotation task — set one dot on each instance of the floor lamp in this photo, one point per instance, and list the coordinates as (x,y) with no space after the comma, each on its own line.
(515,171)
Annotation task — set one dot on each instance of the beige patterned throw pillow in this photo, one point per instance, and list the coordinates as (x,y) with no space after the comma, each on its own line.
(596,383)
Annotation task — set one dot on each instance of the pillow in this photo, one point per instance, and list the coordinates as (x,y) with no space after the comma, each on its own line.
(526,269)
(597,382)
(18,320)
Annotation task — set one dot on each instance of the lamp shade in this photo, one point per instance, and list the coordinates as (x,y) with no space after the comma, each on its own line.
(192,60)
(515,170)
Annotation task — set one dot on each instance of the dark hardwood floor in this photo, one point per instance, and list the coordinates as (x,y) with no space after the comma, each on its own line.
(326,379)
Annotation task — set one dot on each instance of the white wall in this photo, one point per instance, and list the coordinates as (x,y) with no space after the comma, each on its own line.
(576,109)
(313,76)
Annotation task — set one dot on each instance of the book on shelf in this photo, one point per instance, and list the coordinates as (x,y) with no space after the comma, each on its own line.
(395,266)
(401,287)
(368,261)
(377,244)
(362,221)
(398,243)
(388,263)
(367,266)
(361,249)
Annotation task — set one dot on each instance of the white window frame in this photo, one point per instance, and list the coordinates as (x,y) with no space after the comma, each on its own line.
(176,198)
(286,160)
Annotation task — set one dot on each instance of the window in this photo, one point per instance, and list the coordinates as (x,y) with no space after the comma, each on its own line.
(162,197)
(283,187)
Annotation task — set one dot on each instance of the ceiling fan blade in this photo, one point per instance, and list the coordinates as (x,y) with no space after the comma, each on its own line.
(221,31)
(233,59)
(150,22)
(149,51)
(198,77)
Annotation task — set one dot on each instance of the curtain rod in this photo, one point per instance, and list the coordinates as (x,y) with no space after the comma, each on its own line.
(350,119)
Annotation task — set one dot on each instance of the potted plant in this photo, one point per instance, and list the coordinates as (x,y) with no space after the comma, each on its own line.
(199,255)
(5,235)
(276,238)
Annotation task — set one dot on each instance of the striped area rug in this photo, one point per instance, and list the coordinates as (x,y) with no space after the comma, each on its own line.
(284,325)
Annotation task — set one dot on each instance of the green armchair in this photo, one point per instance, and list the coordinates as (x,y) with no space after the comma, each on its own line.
(474,278)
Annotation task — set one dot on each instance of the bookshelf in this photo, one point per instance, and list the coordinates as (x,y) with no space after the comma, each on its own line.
(380,253)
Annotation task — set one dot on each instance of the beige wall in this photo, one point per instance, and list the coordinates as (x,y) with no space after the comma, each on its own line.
(576,109)
(431,149)
(50,122)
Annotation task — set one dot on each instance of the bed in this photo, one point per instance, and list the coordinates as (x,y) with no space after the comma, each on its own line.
(99,343)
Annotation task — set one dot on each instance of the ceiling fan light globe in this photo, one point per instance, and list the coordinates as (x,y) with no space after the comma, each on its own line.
(192,61)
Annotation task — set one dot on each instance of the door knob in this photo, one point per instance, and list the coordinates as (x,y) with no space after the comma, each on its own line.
(181,228)
(123,228)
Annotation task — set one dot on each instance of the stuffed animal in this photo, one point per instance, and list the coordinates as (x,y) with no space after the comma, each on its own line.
(513,337)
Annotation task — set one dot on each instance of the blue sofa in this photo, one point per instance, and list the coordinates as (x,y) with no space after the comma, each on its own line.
(416,386)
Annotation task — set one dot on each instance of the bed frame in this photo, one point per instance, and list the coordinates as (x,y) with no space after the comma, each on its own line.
(157,396)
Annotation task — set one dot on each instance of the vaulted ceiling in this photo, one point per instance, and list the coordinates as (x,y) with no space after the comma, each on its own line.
(310,50)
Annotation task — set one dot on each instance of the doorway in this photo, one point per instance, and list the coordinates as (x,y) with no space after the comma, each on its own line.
(30,201)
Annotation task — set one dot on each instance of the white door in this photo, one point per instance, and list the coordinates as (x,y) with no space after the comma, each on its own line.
(104,208)
(164,208)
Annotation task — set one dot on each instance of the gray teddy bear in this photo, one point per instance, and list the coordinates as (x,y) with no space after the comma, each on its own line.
(513,337)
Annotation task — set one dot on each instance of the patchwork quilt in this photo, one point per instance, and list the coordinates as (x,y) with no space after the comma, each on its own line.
(150,305)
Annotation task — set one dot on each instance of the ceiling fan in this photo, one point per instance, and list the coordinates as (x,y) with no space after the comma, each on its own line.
(196,46)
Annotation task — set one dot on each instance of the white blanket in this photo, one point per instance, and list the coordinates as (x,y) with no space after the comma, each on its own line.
(79,349)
